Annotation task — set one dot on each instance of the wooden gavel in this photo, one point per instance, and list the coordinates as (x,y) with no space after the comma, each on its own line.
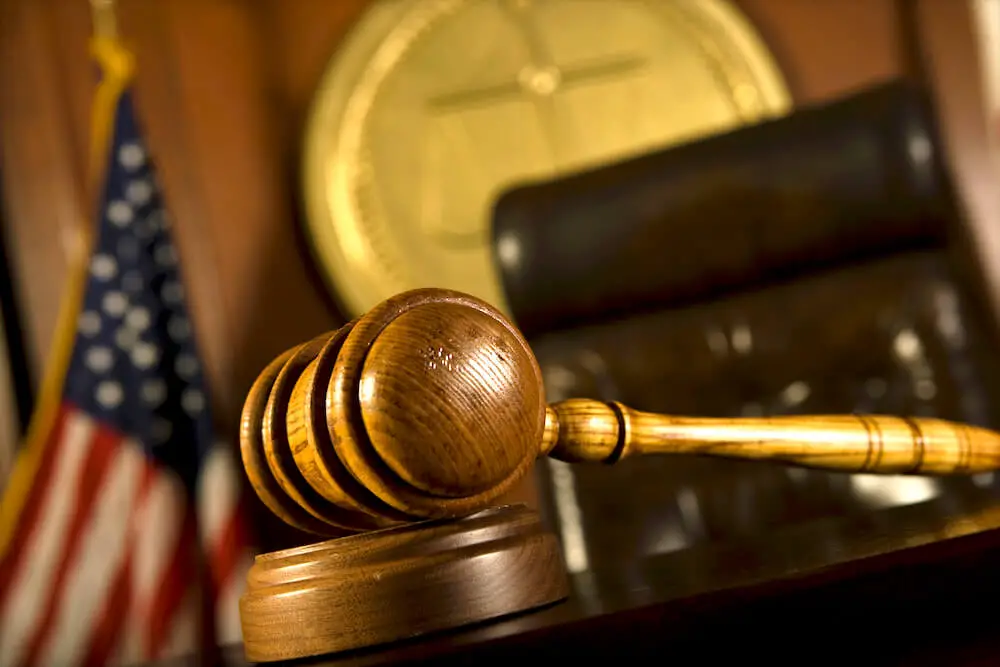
(431,405)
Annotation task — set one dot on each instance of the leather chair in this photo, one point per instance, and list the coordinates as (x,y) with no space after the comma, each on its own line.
(813,264)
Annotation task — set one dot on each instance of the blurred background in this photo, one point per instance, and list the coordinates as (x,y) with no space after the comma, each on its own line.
(704,207)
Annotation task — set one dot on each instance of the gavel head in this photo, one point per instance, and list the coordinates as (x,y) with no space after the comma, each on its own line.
(428,406)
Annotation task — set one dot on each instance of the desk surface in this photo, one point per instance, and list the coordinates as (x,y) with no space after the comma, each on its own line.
(906,585)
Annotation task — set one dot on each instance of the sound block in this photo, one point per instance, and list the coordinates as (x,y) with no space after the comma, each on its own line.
(384,586)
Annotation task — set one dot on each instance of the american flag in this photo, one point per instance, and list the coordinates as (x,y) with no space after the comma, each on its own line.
(130,540)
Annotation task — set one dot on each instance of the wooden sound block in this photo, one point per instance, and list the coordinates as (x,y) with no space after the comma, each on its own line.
(383,586)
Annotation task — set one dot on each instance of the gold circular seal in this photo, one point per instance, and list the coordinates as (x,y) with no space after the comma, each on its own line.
(431,107)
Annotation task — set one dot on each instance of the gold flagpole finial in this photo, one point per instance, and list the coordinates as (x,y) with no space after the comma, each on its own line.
(104,19)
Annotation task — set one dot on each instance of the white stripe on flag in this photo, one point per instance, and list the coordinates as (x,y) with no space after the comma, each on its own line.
(155,532)
(218,503)
(228,629)
(218,492)
(101,556)
(31,588)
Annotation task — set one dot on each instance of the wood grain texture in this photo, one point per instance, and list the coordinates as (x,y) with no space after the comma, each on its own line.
(313,450)
(595,431)
(286,427)
(384,586)
(254,457)
(464,365)
(351,410)
(363,429)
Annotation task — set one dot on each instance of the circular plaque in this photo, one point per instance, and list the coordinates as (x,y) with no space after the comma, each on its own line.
(431,107)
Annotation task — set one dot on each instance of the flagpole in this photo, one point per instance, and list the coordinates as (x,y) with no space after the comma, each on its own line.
(116,68)
(117,65)
(104,18)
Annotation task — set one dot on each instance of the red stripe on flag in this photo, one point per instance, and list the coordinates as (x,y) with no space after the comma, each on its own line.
(179,575)
(103,445)
(232,543)
(107,630)
(10,563)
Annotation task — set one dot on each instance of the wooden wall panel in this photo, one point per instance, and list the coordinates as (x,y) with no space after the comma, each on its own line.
(301,36)
(223,88)
(43,167)
(829,48)
(206,88)
(203,90)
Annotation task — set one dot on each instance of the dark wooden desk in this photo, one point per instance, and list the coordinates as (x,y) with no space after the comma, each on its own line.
(914,585)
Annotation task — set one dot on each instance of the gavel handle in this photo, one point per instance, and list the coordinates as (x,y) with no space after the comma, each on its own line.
(579,430)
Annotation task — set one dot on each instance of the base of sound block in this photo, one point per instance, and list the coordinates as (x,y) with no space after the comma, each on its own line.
(379,587)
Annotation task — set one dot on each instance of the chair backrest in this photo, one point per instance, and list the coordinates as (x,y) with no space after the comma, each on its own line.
(851,292)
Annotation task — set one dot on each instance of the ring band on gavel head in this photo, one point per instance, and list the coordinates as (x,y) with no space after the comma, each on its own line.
(431,405)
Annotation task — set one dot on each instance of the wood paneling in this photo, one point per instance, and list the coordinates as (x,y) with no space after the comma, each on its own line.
(223,88)
(43,168)
(829,48)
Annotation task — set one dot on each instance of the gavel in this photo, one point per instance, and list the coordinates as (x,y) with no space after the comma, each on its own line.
(431,406)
